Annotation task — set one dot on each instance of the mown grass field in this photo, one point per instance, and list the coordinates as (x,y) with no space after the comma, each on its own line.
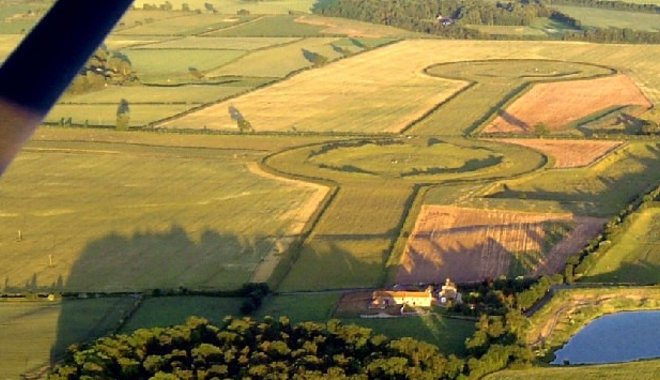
(30,332)
(232,6)
(273,26)
(106,114)
(168,311)
(112,216)
(643,370)
(222,43)
(278,61)
(178,23)
(610,18)
(192,94)
(635,258)
(165,66)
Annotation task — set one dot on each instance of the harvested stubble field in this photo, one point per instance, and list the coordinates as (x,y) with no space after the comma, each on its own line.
(353,28)
(373,85)
(378,91)
(119,217)
(48,328)
(635,258)
(470,245)
(569,153)
(559,105)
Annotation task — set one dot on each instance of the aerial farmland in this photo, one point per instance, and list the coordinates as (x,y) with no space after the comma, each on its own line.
(239,146)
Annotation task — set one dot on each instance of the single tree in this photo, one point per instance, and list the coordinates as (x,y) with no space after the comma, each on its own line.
(123,115)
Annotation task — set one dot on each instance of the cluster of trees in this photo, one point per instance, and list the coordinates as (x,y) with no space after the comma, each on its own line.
(421,16)
(242,348)
(104,67)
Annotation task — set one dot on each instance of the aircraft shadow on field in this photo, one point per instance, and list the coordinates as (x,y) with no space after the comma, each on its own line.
(586,202)
(105,283)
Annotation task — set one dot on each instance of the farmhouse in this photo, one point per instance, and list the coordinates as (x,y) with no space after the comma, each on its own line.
(449,292)
(383,298)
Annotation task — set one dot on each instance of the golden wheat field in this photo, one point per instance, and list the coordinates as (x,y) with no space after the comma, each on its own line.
(384,90)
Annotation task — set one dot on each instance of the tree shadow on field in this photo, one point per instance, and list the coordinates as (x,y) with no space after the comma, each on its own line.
(616,195)
(641,273)
(104,287)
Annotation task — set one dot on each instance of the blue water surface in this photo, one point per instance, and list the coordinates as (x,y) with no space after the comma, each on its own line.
(614,338)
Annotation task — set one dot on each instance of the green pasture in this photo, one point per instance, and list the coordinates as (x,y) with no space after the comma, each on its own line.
(492,85)
(106,114)
(277,61)
(635,256)
(271,26)
(448,334)
(167,66)
(30,332)
(232,6)
(300,307)
(642,370)
(124,217)
(611,18)
(600,190)
(191,94)
(168,311)
(222,43)
(182,24)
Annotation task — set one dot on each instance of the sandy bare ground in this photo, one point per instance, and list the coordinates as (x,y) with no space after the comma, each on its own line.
(568,153)
(559,104)
(470,245)
(298,216)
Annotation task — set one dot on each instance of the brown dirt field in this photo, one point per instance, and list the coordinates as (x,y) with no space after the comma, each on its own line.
(299,218)
(568,153)
(558,104)
(470,245)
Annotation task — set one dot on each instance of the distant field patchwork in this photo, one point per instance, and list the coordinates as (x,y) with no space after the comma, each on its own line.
(470,245)
(372,92)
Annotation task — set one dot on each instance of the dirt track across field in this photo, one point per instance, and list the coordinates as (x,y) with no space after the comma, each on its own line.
(470,245)
(558,104)
(568,153)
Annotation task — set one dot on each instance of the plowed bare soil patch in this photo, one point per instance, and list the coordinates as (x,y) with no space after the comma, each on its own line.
(558,104)
(470,245)
(568,153)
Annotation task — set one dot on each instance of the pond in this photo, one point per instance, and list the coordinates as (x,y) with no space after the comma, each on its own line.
(613,338)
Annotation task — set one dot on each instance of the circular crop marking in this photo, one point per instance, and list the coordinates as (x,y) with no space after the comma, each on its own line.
(412,159)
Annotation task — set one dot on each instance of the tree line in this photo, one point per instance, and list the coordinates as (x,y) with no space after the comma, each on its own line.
(426,16)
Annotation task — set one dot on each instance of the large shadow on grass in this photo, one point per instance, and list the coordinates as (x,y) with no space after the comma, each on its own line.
(616,195)
(106,283)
